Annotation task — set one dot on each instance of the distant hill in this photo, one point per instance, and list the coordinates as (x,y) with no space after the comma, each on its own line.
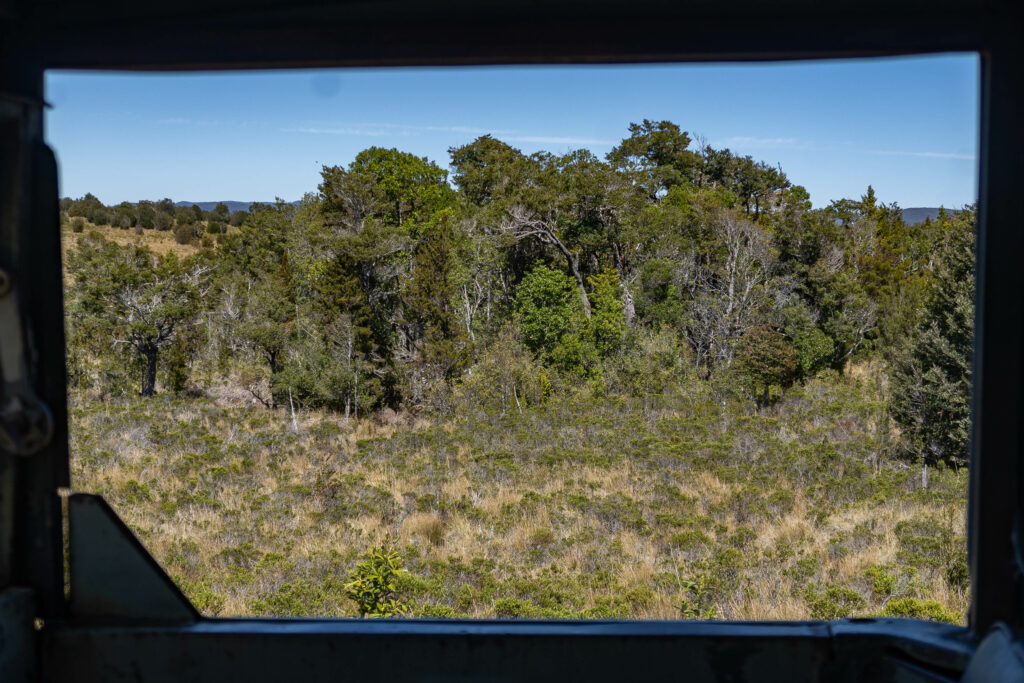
(918,214)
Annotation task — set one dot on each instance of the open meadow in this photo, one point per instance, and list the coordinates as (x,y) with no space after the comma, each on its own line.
(585,506)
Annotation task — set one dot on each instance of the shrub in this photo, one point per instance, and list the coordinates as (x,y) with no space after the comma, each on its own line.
(514,608)
(883,584)
(697,602)
(837,602)
(161,221)
(505,378)
(202,597)
(689,540)
(957,573)
(372,584)
(542,537)
(913,608)
(77,224)
(922,543)
(186,234)
(435,612)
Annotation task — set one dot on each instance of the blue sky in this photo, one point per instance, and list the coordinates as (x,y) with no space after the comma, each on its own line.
(907,126)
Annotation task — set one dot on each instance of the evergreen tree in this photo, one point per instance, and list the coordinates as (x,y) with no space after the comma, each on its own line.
(608,322)
(931,380)
(431,298)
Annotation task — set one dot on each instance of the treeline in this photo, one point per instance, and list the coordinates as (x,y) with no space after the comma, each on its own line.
(187,222)
(399,286)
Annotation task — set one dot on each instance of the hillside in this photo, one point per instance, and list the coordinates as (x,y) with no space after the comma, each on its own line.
(209,206)
(915,215)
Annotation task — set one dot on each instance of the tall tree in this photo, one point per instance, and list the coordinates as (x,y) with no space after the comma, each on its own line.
(931,380)
(136,297)
(431,299)
(658,155)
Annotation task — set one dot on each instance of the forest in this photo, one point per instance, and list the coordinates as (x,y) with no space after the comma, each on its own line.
(659,385)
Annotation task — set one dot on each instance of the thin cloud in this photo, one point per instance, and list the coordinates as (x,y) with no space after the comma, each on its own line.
(557,140)
(795,143)
(926,155)
(380,129)
(771,143)
(185,121)
(367,132)
(394,129)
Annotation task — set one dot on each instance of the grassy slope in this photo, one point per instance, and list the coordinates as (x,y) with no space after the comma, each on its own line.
(162,242)
(586,506)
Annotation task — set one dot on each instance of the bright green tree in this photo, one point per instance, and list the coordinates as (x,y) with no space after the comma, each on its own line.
(552,320)
(608,323)
(658,155)
(373,584)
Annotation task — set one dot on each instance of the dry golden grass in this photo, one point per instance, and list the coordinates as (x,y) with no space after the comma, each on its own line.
(251,517)
(160,241)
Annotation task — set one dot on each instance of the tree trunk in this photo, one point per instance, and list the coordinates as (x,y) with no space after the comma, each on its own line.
(574,267)
(573,261)
(628,307)
(295,425)
(149,379)
(583,293)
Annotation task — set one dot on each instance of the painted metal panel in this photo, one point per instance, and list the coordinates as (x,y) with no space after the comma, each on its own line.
(112,575)
(17,636)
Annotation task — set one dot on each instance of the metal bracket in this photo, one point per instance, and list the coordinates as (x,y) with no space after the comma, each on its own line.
(112,575)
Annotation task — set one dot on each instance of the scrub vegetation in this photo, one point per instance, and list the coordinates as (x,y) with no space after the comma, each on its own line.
(657,385)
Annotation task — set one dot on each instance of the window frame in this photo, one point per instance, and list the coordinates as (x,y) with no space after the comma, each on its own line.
(232,36)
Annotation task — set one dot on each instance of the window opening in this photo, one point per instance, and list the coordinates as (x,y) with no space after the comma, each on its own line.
(524,346)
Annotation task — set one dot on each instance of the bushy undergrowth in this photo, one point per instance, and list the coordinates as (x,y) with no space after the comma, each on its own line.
(680,505)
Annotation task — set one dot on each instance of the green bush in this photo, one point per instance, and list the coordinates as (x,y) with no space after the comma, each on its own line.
(435,612)
(698,596)
(957,573)
(913,608)
(186,234)
(836,602)
(689,540)
(883,584)
(514,608)
(372,584)
(202,597)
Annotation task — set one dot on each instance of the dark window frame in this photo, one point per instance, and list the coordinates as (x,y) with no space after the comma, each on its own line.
(270,34)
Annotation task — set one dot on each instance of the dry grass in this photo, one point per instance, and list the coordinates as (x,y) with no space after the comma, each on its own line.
(526,515)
